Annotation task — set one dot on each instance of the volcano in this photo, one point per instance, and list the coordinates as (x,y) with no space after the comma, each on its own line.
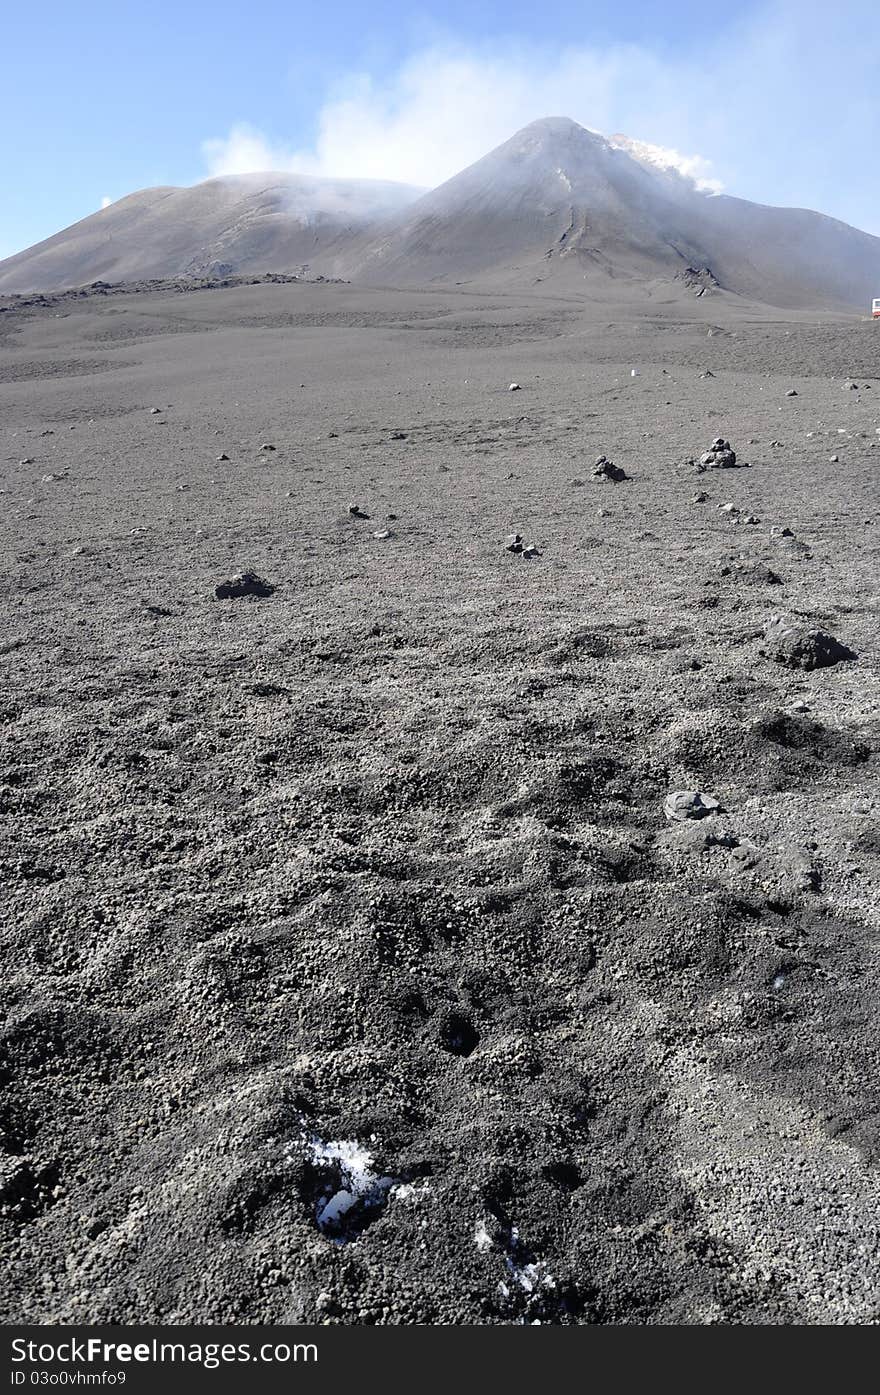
(232,225)
(559,202)
(556,202)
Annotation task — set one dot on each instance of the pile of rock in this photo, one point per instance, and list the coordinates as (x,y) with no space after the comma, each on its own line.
(242,584)
(606,470)
(798,646)
(680,805)
(719,456)
(751,573)
(698,279)
(514,543)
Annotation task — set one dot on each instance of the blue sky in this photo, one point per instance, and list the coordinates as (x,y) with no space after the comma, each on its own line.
(775,100)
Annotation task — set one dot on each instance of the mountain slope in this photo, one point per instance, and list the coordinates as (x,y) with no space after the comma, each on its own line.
(555,202)
(558,200)
(553,189)
(242,223)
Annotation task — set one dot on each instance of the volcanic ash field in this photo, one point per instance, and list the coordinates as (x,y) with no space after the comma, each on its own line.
(472,916)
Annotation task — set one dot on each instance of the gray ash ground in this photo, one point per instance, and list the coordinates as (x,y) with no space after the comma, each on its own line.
(353,972)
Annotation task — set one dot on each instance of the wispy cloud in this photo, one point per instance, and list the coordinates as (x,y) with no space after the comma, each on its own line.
(738,111)
(445,108)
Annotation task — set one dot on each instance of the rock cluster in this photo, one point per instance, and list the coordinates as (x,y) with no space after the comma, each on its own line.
(242,584)
(751,573)
(698,279)
(797,646)
(719,456)
(689,804)
(606,470)
(514,543)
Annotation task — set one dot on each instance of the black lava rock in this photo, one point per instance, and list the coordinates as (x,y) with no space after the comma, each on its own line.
(607,470)
(797,646)
(242,584)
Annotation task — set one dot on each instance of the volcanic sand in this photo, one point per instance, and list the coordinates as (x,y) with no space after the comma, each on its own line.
(353,972)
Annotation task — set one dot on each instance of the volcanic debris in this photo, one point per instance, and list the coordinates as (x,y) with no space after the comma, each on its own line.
(242,584)
(798,646)
(719,456)
(680,805)
(514,543)
(605,469)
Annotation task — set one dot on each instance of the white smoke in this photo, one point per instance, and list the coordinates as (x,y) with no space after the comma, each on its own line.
(443,109)
(692,167)
(247,151)
(733,104)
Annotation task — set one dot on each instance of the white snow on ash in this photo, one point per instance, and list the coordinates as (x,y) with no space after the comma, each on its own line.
(353,1186)
(360,1184)
(482,1238)
(528,1274)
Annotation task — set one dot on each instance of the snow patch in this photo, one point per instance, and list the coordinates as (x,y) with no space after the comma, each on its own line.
(354,1184)
(529,1275)
(482,1238)
(408,1191)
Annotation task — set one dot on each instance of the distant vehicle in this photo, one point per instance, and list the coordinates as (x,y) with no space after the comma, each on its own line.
(875,307)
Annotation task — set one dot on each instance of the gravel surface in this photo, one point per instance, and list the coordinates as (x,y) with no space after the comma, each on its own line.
(355,972)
